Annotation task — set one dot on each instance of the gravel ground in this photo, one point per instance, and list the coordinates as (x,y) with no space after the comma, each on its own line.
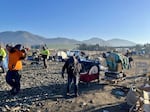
(43,90)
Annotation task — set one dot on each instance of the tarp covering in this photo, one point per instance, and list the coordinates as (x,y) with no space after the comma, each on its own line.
(62,54)
(113,59)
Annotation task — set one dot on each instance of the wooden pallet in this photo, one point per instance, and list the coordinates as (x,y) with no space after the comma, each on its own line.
(113,80)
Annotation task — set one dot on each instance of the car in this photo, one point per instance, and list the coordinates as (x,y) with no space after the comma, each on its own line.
(73,52)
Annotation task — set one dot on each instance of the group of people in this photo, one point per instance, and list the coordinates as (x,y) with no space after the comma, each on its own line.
(72,66)
(43,54)
(15,54)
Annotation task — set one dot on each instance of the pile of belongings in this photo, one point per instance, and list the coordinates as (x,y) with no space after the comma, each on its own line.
(116,63)
(90,71)
(139,99)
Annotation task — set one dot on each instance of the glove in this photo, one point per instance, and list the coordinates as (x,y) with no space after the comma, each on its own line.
(62,74)
(24,50)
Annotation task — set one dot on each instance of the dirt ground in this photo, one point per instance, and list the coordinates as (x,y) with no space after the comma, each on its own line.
(43,90)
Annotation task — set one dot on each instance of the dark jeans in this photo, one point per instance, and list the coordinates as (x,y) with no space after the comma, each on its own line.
(3,69)
(45,60)
(75,80)
(13,79)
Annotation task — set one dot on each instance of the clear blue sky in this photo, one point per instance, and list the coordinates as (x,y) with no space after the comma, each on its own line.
(78,19)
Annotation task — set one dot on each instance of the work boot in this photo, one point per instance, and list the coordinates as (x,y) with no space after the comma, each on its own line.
(76,95)
(14,91)
(3,70)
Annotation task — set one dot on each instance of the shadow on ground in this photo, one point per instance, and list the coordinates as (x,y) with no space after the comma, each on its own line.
(40,93)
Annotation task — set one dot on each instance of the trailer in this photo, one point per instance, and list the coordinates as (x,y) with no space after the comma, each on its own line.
(90,71)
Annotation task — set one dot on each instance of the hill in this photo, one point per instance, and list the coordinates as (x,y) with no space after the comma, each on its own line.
(28,38)
(120,42)
(21,37)
(96,40)
(61,40)
(112,42)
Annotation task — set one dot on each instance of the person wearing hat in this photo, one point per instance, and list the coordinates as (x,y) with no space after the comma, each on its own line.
(15,56)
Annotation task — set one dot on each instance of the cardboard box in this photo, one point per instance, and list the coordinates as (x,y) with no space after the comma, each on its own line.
(119,67)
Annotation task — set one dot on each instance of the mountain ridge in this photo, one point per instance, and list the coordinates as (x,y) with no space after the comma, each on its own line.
(25,37)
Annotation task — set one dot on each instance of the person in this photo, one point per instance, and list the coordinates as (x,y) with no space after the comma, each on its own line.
(15,56)
(129,56)
(45,55)
(3,62)
(73,70)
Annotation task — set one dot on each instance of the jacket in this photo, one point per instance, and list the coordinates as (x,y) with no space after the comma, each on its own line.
(76,68)
(15,59)
(2,53)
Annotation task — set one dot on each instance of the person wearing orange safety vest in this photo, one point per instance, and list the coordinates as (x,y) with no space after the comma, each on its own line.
(15,56)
